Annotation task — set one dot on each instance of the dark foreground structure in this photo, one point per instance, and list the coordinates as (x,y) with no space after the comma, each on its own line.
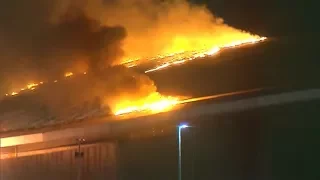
(98,162)
(261,136)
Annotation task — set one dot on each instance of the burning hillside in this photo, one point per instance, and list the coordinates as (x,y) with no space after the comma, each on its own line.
(158,28)
(184,57)
(117,90)
(66,53)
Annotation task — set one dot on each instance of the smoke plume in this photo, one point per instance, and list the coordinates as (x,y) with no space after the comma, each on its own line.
(157,27)
(79,97)
(45,38)
(114,85)
(42,39)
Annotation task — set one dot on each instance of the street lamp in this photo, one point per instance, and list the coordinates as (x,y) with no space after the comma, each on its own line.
(79,156)
(180,127)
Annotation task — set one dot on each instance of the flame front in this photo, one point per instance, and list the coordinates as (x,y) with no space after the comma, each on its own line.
(156,102)
(153,103)
(173,31)
(185,56)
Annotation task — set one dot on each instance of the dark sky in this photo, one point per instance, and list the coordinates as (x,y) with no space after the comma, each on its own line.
(272,17)
(36,40)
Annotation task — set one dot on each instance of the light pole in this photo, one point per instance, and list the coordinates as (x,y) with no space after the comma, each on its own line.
(79,156)
(180,127)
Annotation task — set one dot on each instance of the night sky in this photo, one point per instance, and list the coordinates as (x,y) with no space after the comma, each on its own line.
(271,18)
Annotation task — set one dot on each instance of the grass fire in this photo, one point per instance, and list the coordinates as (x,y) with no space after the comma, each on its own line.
(82,53)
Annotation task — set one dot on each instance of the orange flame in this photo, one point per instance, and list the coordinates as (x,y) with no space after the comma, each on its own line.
(68,74)
(180,58)
(161,103)
(14,93)
(153,103)
(32,85)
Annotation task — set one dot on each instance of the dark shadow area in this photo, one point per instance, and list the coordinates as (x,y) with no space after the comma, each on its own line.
(270,18)
(276,142)
(277,63)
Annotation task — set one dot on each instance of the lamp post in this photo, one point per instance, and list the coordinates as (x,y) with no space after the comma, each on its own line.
(79,156)
(180,127)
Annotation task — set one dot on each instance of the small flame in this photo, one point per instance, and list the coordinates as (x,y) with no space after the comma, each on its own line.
(68,74)
(179,62)
(14,93)
(159,67)
(32,85)
(213,51)
(132,65)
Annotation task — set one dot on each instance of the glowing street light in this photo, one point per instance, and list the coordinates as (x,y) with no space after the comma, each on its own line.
(183,126)
(180,127)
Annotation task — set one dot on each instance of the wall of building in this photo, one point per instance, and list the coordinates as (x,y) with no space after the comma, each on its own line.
(98,162)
